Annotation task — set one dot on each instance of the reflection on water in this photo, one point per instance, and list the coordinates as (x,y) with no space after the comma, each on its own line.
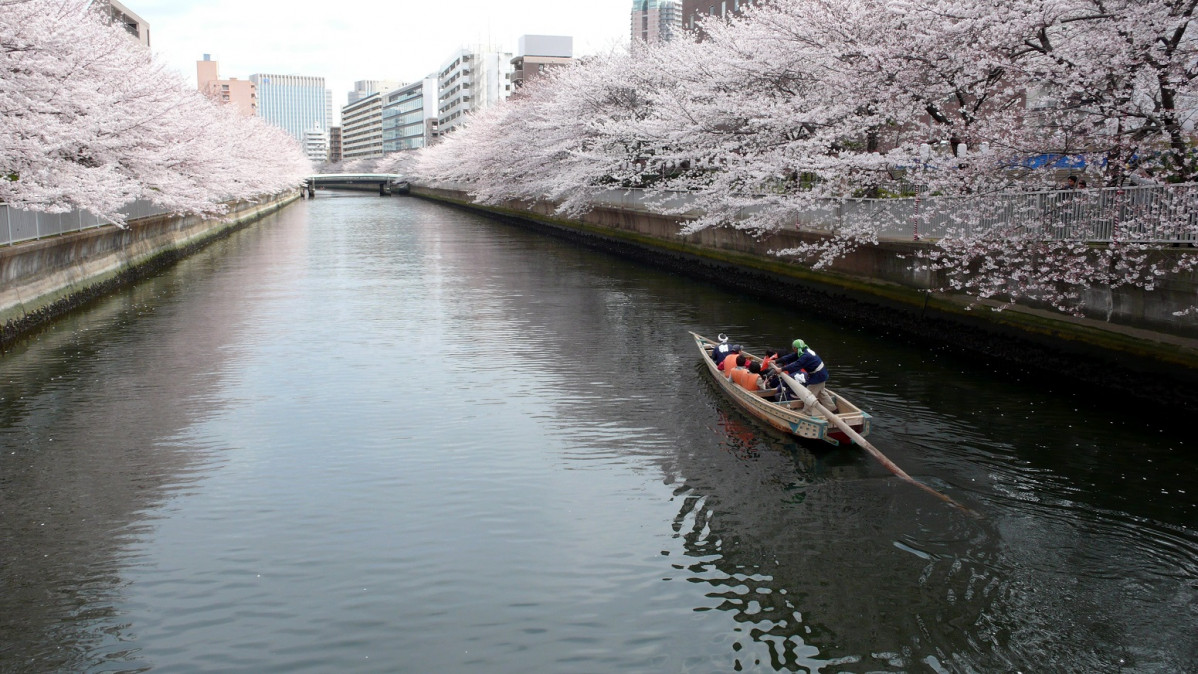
(383,435)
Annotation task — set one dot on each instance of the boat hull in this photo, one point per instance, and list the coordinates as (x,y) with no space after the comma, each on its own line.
(785,417)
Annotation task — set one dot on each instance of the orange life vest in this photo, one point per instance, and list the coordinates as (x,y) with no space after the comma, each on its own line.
(729,364)
(746,379)
(736,374)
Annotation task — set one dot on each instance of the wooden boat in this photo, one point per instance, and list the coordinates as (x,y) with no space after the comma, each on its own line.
(786,416)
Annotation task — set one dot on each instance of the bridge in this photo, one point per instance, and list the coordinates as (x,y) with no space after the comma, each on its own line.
(388,183)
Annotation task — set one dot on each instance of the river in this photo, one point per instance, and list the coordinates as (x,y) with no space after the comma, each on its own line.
(383,435)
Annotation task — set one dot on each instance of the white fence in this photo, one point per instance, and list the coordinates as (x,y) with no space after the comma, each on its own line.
(18,225)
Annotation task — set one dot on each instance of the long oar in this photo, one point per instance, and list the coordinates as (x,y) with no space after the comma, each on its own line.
(811,401)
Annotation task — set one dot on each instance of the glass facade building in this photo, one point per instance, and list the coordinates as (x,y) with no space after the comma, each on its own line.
(295,103)
(656,21)
(410,116)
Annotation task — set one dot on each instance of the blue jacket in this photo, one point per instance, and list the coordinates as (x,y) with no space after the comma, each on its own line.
(721,351)
(807,362)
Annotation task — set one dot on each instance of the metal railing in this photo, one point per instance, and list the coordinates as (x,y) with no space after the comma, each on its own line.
(1160,214)
(18,225)
(1156,214)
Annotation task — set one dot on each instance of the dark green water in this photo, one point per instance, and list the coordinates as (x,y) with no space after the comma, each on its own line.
(380,435)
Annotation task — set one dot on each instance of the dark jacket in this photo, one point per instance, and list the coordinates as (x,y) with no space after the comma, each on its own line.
(807,362)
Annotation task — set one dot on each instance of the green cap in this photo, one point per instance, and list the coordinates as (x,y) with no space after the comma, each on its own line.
(799,345)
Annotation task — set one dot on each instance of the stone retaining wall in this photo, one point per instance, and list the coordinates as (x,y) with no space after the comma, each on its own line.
(40,280)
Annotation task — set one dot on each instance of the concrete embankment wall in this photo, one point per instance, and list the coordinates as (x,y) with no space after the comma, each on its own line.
(40,280)
(1143,349)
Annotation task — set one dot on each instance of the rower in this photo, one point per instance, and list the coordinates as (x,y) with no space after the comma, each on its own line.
(808,369)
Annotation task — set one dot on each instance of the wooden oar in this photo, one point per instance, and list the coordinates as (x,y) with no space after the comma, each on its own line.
(813,403)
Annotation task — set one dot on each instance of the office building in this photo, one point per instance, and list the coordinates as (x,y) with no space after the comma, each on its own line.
(363,88)
(536,53)
(655,21)
(294,103)
(233,91)
(471,79)
(362,128)
(694,11)
(410,116)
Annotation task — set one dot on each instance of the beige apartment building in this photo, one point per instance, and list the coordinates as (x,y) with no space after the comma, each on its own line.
(242,93)
(334,145)
(362,128)
(537,53)
(121,15)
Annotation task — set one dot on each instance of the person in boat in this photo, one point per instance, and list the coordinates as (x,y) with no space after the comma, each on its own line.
(721,355)
(739,366)
(769,376)
(750,378)
(809,370)
(740,374)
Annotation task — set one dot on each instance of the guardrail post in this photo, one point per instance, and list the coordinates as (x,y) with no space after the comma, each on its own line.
(8,217)
(1118,213)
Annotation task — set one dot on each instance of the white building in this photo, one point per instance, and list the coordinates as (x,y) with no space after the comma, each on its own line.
(294,103)
(471,79)
(656,21)
(362,128)
(316,145)
(410,116)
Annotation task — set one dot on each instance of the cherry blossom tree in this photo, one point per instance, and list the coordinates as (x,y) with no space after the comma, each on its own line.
(564,138)
(92,121)
(821,113)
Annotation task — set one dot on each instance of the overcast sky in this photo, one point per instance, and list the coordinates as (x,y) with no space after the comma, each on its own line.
(364,39)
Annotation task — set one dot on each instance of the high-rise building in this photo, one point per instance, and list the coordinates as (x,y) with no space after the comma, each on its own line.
(655,21)
(334,144)
(362,128)
(471,79)
(410,116)
(363,88)
(694,10)
(294,103)
(137,27)
(536,53)
(241,93)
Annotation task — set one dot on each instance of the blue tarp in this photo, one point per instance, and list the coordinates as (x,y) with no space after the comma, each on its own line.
(1055,161)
